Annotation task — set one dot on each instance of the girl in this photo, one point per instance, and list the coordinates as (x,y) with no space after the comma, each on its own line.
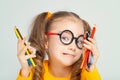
(60,35)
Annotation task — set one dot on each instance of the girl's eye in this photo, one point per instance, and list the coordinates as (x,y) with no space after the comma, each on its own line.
(65,38)
(79,42)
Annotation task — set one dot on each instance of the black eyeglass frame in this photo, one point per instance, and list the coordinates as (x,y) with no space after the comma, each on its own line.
(76,38)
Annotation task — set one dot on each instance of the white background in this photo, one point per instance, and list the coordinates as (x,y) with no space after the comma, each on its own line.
(104,13)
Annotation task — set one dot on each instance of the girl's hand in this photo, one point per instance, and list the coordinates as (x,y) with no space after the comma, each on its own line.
(92,46)
(21,48)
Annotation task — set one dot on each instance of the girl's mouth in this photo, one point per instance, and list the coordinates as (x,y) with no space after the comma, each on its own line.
(68,54)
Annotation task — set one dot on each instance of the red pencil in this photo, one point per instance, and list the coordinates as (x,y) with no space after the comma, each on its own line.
(87,52)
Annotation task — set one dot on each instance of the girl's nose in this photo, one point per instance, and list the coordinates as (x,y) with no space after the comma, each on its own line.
(72,46)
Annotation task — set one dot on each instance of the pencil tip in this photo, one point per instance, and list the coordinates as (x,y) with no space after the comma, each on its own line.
(15,27)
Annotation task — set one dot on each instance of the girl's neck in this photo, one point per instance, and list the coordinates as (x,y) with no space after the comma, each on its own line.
(58,70)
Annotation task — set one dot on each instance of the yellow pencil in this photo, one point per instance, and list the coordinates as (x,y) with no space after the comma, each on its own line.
(19,36)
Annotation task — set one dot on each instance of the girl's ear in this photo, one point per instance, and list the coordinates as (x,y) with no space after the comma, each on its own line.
(46,42)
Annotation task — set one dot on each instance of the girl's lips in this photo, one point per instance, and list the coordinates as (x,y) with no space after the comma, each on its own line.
(68,54)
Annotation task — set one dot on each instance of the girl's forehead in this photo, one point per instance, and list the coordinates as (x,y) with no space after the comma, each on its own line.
(76,26)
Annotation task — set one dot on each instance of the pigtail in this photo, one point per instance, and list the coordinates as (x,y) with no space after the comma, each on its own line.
(76,71)
(37,40)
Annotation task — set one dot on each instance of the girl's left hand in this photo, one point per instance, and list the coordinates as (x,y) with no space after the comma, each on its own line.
(92,46)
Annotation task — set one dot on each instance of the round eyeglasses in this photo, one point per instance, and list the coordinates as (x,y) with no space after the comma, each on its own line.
(67,37)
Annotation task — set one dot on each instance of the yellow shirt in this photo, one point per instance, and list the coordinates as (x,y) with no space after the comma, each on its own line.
(85,75)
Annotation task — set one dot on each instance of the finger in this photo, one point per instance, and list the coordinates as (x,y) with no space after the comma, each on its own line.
(24,48)
(27,46)
(22,51)
(92,41)
(21,43)
(30,56)
(87,42)
(24,39)
(87,46)
(32,50)
(18,42)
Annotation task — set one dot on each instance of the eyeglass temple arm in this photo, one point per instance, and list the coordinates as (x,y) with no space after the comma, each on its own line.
(51,33)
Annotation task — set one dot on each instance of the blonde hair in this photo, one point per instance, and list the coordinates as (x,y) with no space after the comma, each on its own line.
(37,40)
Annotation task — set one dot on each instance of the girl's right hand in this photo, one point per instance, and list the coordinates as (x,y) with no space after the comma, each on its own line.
(21,48)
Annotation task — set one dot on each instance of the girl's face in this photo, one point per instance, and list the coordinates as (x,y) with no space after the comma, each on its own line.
(58,52)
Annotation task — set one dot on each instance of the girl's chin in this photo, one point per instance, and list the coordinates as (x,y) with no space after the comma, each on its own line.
(67,63)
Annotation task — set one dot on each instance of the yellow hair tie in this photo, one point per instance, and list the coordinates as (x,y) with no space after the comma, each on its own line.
(48,15)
